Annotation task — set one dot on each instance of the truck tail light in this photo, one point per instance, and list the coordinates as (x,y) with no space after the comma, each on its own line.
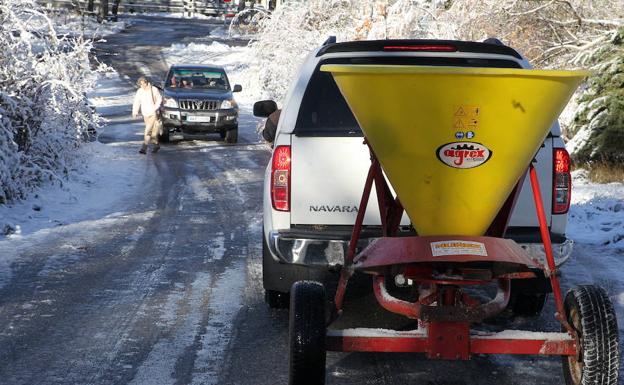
(280,178)
(562,181)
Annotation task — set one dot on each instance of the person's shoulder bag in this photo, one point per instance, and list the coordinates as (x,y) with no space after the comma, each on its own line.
(158,122)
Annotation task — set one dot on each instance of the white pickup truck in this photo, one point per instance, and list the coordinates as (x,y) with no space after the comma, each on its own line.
(313,185)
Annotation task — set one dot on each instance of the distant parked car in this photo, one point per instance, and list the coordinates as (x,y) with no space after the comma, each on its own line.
(198,99)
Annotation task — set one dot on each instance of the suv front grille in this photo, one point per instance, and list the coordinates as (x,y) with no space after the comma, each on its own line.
(199,105)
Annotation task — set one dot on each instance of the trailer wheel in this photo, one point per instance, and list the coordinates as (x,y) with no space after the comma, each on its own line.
(307,333)
(590,312)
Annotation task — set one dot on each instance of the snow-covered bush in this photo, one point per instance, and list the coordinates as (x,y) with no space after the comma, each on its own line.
(597,130)
(44,114)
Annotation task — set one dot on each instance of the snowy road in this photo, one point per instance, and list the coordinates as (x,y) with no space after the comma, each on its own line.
(166,288)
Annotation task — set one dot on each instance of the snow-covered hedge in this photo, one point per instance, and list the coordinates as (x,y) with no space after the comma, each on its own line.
(597,130)
(44,114)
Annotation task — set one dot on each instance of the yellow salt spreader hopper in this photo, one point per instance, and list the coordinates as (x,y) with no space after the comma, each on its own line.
(454,144)
(454,141)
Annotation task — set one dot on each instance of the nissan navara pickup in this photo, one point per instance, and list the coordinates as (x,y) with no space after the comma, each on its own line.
(314,181)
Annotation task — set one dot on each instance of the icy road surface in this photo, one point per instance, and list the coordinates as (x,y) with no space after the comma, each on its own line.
(152,274)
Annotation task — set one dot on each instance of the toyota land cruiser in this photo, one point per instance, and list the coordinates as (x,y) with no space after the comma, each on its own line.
(198,100)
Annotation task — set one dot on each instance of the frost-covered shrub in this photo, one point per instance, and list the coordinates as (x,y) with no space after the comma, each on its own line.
(598,128)
(44,114)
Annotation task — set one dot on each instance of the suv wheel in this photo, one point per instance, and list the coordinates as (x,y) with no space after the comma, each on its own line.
(164,138)
(231,136)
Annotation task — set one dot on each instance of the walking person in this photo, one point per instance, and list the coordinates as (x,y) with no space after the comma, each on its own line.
(147,100)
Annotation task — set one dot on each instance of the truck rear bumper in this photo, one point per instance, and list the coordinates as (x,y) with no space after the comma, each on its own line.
(289,247)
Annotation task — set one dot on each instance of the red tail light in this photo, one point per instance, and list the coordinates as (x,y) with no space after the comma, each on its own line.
(280,178)
(562,181)
(430,48)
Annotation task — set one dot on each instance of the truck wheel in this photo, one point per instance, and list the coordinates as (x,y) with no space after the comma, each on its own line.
(590,312)
(231,136)
(307,334)
(527,304)
(276,299)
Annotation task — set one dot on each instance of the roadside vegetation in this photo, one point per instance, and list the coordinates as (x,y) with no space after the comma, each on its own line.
(44,113)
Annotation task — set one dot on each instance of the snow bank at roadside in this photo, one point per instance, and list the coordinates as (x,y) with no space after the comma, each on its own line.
(597,212)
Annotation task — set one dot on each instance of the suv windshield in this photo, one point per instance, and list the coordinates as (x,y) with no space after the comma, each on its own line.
(194,78)
(323,110)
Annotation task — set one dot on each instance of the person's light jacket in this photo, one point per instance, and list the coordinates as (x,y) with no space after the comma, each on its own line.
(147,101)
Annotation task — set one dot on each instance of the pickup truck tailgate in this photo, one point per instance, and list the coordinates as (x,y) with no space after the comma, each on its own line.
(328,176)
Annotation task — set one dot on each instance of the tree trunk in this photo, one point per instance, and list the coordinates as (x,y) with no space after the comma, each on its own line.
(115,9)
(103,10)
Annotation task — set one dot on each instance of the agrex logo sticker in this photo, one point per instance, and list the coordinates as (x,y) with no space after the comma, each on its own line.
(463,154)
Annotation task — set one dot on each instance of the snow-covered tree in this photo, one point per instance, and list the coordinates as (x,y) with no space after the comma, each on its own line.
(44,113)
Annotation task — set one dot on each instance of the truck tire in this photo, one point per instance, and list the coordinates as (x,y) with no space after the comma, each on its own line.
(590,312)
(525,302)
(307,334)
(231,135)
(275,299)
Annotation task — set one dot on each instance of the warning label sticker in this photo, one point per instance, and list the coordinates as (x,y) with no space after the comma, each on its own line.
(466,117)
(441,248)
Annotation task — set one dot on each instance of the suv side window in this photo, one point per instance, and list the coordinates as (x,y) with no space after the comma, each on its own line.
(323,110)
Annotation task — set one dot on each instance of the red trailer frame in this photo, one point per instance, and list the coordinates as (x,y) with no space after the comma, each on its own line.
(444,329)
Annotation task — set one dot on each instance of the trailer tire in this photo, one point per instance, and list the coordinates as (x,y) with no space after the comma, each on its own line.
(307,334)
(590,312)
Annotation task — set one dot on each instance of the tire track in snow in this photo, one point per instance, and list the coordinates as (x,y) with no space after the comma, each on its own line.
(225,303)
(161,361)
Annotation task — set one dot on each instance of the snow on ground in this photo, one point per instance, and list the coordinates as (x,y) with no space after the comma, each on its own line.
(597,212)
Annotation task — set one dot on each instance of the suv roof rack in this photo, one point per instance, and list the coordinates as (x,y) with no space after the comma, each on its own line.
(418,45)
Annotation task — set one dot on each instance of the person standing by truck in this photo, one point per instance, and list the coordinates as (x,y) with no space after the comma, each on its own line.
(147,100)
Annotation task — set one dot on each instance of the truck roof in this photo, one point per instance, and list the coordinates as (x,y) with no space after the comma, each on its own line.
(426,45)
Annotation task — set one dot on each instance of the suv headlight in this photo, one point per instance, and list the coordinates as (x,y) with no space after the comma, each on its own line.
(227,104)
(171,102)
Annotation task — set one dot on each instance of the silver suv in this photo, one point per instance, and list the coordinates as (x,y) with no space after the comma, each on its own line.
(314,182)
(198,100)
